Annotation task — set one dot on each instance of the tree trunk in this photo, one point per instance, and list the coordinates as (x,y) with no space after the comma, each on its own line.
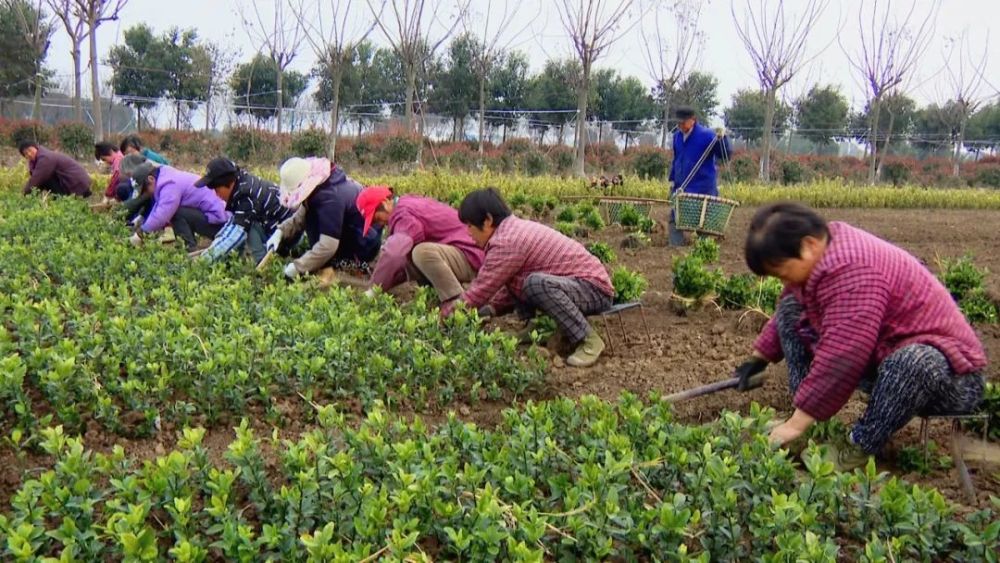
(504,139)
(411,87)
(95,85)
(281,85)
(138,117)
(482,117)
(873,138)
(77,82)
(885,149)
(666,123)
(765,151)
(626,142)
(177,116)
(36,108)
(956,164)
(338,76)
(581,122)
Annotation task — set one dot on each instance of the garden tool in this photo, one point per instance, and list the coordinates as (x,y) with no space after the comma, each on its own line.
(755,382)
(265,260)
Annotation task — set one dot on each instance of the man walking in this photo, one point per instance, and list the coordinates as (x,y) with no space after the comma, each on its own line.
(692,140)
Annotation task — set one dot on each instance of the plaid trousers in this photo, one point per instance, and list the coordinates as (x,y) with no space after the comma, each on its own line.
(567,300)
(915,380)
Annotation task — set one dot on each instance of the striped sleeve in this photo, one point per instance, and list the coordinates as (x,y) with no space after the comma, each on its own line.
(854,299)
(503,262)
(231,237)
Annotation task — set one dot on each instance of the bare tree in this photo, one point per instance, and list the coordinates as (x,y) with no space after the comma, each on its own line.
(966,76)
(221,62)
(75,25)
(282,37)
(889,49)
(96,12)
(36,28)
(670,64)
(493,41)
(593,26)
(407,28)
(776,42)
(334,44)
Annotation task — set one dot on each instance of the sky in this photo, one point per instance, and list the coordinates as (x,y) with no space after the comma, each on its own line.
(536,30)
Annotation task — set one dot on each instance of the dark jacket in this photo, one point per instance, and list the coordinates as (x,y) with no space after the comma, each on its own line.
(256,201)
(58,173)
(686,155)
(332,210)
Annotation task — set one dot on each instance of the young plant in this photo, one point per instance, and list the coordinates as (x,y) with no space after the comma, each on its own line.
(629,286)
(629,216)
(602,251)
(692,280)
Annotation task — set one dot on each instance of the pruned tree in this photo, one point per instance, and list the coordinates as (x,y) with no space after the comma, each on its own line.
(35,28)
(672,51)
(406,26)
(334,39)
(593,26)
(95,13)
(75,25)
(776,40)
(279,36)
(221,63)
(966,73)
(887,52)
(494,37)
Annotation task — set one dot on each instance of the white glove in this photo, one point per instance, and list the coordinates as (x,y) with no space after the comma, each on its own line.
(272,243)
(291,272)
(138,221)
(135,239)
(370,292)
(720,132)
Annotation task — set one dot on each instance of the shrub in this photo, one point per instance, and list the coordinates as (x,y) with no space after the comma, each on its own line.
(792,172)
(76,139)
(707,249)
(245,144)
(592,218)
(364,151)
(988,176)
(961,276)
(26,130)
(743,168)
(692,279)
(311,142)
(534,163)
(602,251)
(629,286)
(517,200)
(562,158)
(646,225)
(567,214)
(737,291)
(977,307)
(603,156)
(651,163)
(401,150)
(629,216)
(568,229)
(897,173)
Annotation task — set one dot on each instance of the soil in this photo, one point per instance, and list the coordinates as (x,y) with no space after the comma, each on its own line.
(682,349)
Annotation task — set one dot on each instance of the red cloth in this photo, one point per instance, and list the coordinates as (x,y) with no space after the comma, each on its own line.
(116,173)
(865,299)
(519,248)
(414,220)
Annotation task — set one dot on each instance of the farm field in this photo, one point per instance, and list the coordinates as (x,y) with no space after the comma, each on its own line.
(310,449)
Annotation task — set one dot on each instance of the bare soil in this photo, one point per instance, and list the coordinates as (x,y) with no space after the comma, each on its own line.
(682,349)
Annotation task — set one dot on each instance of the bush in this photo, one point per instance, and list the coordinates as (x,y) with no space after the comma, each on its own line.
(707,249)
(742,169)
(988,176)
(792,172)
(246,145)
(311,142)
(737,291)
(517,147)
(979,308)
(897,173)
(562,158)
(401,150)
(568,229)
(629,286)
(76,139)
(26,130)
(602,251)
(534,164)
(651,163)
(592,218)
(567,214)
(646,225)
(692,279)
(628,215)
(961,276)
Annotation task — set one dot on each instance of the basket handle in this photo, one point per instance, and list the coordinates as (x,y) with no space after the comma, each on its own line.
(697,166)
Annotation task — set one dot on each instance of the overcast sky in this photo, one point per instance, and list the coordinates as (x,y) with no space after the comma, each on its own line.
(543,38)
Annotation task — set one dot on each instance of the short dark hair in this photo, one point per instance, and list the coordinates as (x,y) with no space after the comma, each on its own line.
(25,145)
(222,181)
(684,112)
(131,141)
(104,148)
(480,204)
(776,233)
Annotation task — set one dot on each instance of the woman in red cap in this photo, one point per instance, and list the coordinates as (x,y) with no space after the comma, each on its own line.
(426,243)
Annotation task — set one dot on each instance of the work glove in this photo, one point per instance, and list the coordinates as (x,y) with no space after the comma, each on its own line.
(135,239)
(720,132)
(291,272)
(272,243)
(137,222)
(370,292)
(486,311)
(746,371)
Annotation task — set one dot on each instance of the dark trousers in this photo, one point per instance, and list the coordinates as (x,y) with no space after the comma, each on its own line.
(915,380)
(567,300)
(188,221)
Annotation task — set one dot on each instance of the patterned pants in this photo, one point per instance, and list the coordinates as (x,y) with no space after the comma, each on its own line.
(567,300)
(915,380)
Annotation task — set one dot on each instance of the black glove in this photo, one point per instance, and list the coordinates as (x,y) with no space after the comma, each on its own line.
(746,371)
(486,311)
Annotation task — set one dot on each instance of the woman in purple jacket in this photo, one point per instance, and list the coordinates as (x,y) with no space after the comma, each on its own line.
(179,203)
